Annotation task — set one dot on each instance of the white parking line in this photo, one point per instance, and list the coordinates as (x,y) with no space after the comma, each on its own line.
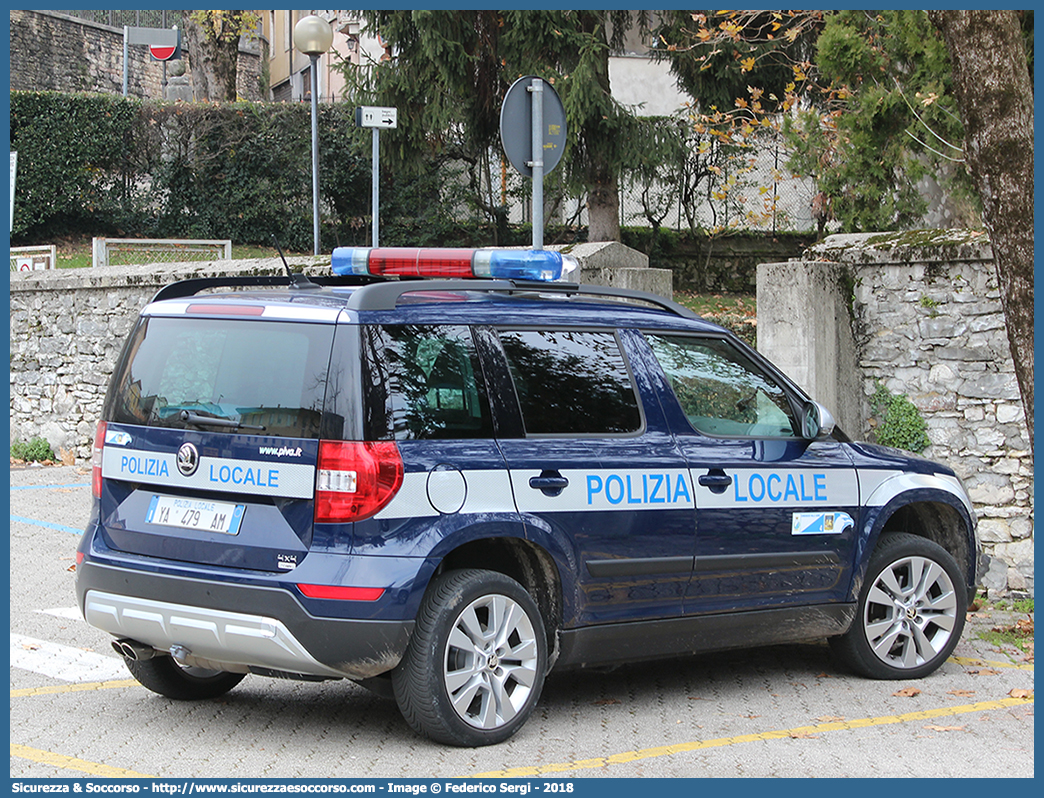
(63,662)
(69,613)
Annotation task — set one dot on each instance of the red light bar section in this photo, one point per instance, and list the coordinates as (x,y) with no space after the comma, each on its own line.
(226,310)
(342,593)
(421,262)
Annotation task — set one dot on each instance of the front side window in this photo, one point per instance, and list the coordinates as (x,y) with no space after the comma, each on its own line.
(429,382)
(571,382)
(268,376)
(720,390)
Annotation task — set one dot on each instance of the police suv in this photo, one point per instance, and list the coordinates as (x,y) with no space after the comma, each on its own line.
(443,488)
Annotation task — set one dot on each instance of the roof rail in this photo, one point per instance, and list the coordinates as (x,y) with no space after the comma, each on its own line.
(193,285)
(385,295)
(382,293)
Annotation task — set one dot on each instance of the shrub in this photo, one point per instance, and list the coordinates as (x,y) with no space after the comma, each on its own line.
(32,451)
(897,422)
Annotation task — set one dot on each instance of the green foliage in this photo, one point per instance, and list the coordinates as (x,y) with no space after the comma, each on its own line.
(73,160)
(33,451)
(105,165)
(899,423)
(451,70)
(886,119)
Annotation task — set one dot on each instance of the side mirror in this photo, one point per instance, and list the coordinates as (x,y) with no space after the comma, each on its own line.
(818,423)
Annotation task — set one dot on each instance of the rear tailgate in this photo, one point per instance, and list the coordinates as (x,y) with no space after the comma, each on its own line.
(227,499)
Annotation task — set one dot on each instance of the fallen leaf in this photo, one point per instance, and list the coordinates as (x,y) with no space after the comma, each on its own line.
(825,675)
(803,736)
(1020,693)
(71,568)
(984,672)
(962,692)
(604,701)
(945,728)
(1024,625)
(907,692)
(697,698)
(30,646)
(830,718)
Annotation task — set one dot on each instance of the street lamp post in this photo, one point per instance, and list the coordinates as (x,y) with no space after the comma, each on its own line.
(313,37)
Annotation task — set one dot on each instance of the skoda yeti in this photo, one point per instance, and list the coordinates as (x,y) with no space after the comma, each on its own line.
(444,488)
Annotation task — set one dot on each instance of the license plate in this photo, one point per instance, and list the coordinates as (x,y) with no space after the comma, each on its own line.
(195,514)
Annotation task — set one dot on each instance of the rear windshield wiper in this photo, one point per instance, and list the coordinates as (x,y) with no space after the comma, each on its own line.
(214,421)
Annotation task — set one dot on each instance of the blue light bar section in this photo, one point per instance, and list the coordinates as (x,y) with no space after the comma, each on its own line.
(351,260)
(542,265)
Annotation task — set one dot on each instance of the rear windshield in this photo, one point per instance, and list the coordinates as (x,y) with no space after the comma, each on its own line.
(269,377)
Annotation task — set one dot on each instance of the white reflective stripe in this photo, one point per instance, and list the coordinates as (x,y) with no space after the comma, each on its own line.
(300,313)
(607,489)
(165,309)
(486,491)
(883,490)
(754,488)
(291,480)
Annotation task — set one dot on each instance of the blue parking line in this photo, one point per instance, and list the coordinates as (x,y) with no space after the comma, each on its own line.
(52,487)
(46,524)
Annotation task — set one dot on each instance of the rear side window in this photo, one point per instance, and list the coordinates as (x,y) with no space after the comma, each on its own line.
(428,379)
(571,382)
(265,375)
(721,391)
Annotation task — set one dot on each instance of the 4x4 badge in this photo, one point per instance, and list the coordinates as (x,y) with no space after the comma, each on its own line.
(188,459)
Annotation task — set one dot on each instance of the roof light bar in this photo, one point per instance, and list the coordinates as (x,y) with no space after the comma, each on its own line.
(542,265)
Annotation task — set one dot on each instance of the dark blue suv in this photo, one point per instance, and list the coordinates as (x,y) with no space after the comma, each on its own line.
(443,488)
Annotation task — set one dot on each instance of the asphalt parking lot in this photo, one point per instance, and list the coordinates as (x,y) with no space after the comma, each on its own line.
(783,711)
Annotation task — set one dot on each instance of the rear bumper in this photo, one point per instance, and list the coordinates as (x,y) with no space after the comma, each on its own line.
(236,625)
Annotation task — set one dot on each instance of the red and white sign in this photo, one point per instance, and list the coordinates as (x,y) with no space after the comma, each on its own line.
(163,52)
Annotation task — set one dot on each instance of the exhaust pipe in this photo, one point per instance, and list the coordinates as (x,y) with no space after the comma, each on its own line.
(133,650)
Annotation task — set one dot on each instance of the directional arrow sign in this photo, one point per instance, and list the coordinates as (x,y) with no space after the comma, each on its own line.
(376,116)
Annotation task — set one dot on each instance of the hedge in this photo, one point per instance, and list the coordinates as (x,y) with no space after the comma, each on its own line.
(99,164)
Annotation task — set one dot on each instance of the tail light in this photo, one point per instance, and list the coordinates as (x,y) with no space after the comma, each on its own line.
(355,480)
(96,460)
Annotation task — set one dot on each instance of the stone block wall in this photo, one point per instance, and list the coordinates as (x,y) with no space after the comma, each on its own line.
(925,320)
(54,52)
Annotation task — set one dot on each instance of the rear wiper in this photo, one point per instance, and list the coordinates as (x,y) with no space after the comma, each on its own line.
(214,421)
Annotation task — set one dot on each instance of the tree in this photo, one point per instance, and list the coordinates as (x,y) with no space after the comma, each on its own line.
(991,81)
(451,69)
(212,38)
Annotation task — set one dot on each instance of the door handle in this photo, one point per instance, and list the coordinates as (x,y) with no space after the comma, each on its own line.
(550,483)
(716,480)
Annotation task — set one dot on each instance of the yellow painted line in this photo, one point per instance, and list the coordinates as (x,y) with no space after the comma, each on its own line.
(72,763)
(74,688)
(985,663)
(800,731)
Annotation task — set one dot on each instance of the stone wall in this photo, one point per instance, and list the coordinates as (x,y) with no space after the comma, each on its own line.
(720,265)
(54,52)
(925,319)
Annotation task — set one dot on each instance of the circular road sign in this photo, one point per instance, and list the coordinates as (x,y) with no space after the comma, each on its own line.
(163,52)
(516,125)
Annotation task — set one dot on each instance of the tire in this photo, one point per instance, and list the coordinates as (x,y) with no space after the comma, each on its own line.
(163,675)
(474,668)
(910,613)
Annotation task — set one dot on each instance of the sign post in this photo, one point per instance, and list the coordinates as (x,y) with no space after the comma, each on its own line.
(378,118)
(533,132)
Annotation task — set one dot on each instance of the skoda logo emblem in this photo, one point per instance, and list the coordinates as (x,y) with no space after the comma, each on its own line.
(188,459)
